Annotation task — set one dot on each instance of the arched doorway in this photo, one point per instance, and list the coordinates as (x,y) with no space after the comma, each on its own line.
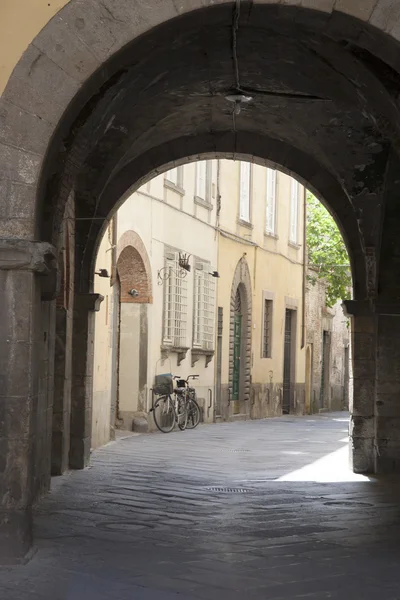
(134,274)
(240,340)
(97,105)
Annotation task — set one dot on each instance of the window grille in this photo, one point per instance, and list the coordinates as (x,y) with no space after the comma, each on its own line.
(267,332)
(175,303)
(294,210)
(271,201)
(244,210)
(204,304)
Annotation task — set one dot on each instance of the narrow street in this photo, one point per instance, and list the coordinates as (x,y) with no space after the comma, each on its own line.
(257,510)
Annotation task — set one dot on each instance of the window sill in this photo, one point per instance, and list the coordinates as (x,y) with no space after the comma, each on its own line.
(204,203)
(197,353)
(270,234)
(175,188)
(294,245)
(181,351)
(245,224)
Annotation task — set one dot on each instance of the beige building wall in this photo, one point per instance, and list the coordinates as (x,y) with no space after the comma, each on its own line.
(166,216)
(276,271)
(103,348)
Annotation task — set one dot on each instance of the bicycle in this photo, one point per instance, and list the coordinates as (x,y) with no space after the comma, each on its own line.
(192,407)
(168,412)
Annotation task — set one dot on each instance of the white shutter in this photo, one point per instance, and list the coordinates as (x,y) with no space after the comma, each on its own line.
(271,200)
(172,175)
(201,177)
(204,307)
(294,210)
(244,211)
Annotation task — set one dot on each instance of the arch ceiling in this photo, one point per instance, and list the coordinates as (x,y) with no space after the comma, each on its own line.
(131,87)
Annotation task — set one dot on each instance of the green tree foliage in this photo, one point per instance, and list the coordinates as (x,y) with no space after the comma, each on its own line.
(327,253)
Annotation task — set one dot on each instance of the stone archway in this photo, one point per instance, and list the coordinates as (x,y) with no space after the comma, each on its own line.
(108,94)
(134,273)
(241,305)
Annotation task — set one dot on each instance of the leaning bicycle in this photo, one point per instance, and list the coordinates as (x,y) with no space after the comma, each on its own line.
(192,407)
(170,407)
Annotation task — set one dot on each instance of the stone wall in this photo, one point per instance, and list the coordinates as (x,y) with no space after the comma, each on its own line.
(333,394)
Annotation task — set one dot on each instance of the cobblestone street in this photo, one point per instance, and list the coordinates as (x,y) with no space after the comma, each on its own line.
(256,510)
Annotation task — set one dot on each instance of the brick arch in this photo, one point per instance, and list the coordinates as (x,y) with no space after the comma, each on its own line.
(134,269)
(241,283)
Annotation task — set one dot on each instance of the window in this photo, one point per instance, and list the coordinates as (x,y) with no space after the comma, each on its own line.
(294,211)
(175,303)
(271,201)
(267,329)
(204,304)
(244,211)
(175,176)
(203,177)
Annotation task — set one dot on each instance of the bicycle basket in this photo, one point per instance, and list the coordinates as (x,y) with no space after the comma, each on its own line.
(163,384)
(180,383)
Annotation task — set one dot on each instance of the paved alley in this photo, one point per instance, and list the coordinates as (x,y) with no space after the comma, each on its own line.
(256,510)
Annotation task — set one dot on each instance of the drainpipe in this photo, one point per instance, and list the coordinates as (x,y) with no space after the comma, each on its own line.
(303,311)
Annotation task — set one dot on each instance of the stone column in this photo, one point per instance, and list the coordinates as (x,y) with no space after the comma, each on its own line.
(85,305)
(387,426)
(362,419)
(22,263)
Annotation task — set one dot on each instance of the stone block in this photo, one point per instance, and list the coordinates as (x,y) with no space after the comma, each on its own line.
(15,535)
(15,379)
(52,87)
(16,417)
(321,5)
(18,165)
(388,428)
(15,472)
(362,427)
(362,455)
(67,51)
(363,397)
(79,452)
(385,14)
(361,10)
(17,228)
(93,23)
(23,129)
(387,404)
(364,346)
(387,458)
(122,20)
(19,200)
(363,369)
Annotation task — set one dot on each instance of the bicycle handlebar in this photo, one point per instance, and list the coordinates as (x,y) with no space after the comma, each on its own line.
(188,377)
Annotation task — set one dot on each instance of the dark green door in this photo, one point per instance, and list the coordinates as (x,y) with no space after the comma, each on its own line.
(237,335)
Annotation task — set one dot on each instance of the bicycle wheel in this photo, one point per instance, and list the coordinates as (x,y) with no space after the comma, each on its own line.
(193,411)
(182,414)
(164,414)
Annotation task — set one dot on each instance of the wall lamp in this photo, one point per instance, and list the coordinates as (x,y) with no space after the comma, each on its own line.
(214,274)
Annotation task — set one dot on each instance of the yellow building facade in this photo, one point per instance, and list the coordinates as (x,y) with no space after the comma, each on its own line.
(261,267)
